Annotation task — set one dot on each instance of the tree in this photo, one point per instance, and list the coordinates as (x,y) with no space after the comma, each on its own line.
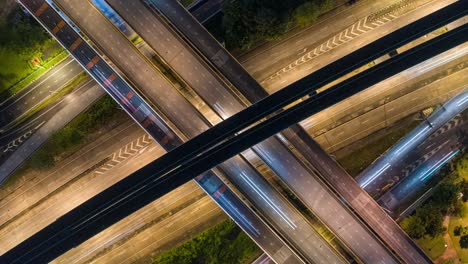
(306,13)
(248,21)
(464,241)
(431,218)
(462,170)
(446,195)
(414,227)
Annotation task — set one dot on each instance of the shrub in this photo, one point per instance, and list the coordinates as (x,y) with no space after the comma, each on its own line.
(464,241)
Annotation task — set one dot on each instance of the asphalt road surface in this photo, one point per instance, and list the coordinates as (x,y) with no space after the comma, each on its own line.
(381,172)
(68,108)
(422,163)
(37,91)
(213,91)
(396,237)
(49,83)
(100,71)
(187,119)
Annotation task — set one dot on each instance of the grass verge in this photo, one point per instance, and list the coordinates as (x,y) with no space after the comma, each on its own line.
(186,2)
(461,220)
(359,159)
(26,51)
(434,247)
(77,133)
(101,116)
(34,75)
(223,243)
(66,89)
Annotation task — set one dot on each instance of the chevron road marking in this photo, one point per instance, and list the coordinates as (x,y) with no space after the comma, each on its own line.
(365,24)
(456,121)
(124,153)
(12,145)
(355,30)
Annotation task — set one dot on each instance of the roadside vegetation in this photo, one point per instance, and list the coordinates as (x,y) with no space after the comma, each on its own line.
(223,243)
(359,159)
(26,51)
(449,202)
(427,219)
(186,2)
(77,133)
(66,89)
(246,22)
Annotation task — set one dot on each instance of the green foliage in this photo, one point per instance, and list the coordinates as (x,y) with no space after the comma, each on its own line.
(427,220)
(446,195)
(413,227)
(460,230)
(434,247)
(464,241)
(431,218)
(249,21)
(462,167)
(21,39)
(306,13)
(359,159)
(186,2)
(223,243)
(309,11)
(74,134)
(464,190)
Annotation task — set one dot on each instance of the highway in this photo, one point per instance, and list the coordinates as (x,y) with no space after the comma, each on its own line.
(222,101)
(37,91)
(12,134)
(451,39)
(404,191)
(422,162)
(309,84)
(347,17)
(384,104)
(11,205)
(100,71)
(191,123)
(344,184)
(381,172)
(334,35)
(340,136)
(119,190)
(43,124)
(28,207)
(271,151)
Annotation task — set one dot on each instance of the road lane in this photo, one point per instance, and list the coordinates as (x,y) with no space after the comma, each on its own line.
(98,69)
(217,95)
(165,96)
(376,175)
(211,49)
